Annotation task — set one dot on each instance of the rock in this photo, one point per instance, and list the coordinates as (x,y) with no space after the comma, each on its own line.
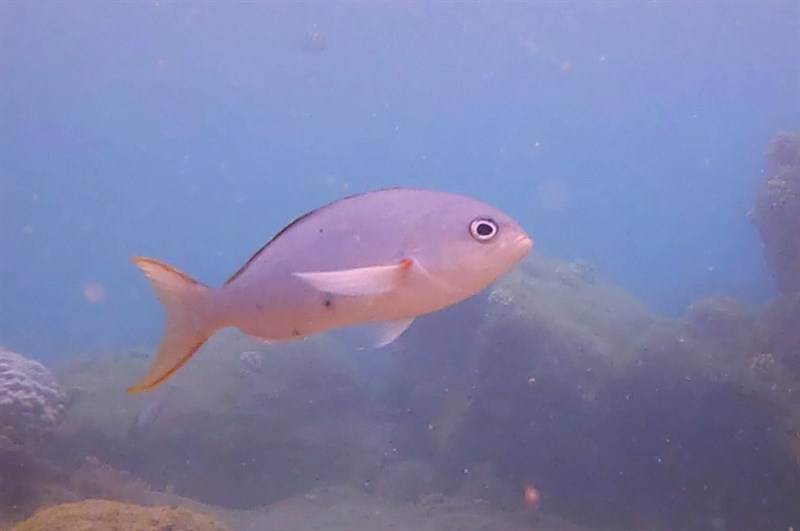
(430,379)
(95,479)
(262,421)
(723,324)
(31,400)
(408,481)
(777,211)
(547,345)
(482,485)
(28,482)
(719,315)
(576,273)
(567,383)
(779,332)
(95,515)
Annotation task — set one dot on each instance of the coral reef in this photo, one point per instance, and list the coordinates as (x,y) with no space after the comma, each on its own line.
(553,391)
(553,381)
(269,420)
(605,407)
(777,211)
(91,515)
(35,482)
(31,400)
(515,340)
(31,408)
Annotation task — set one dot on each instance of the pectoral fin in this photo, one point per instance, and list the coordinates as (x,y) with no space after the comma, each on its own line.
(374,280)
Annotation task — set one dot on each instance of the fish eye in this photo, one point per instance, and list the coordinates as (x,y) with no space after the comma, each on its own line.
(483,229)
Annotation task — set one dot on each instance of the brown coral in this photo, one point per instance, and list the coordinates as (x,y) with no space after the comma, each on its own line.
(95,515)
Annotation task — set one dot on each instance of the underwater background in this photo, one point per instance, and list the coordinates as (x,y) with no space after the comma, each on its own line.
(640,370)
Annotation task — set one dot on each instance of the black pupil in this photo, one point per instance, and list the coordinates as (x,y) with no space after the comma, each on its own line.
(484,229)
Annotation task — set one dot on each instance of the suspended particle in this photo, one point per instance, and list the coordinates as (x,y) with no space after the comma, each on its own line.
(94,292)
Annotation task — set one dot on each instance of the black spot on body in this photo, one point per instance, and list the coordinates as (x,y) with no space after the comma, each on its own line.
(327,302)
(295,332)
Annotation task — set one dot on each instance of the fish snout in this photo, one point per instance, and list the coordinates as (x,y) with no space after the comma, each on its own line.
(523,243)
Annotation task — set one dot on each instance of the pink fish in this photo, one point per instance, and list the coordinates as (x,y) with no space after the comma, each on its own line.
(383,257)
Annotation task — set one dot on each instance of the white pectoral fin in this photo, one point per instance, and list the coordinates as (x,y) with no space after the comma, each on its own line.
(389,331)
(374,280)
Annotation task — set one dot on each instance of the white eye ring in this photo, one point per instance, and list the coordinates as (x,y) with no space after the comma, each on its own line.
(483,229)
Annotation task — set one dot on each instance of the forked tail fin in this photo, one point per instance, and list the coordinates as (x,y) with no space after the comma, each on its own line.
(189,320)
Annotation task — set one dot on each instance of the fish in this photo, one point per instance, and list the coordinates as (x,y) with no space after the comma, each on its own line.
(383,257)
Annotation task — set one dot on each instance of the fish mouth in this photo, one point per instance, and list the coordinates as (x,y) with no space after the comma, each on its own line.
(523,243)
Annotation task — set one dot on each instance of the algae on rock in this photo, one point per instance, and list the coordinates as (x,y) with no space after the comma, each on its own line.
(94,515)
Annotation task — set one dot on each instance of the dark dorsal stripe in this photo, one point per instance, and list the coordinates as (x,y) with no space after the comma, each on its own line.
(296,222)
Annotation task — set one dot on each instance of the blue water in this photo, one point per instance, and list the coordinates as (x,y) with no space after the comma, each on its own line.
(630,135)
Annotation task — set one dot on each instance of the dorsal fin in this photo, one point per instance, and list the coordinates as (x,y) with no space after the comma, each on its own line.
(293,223)
(261,250)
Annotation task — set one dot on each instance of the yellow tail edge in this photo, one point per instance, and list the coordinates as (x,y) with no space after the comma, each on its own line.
(189,320)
